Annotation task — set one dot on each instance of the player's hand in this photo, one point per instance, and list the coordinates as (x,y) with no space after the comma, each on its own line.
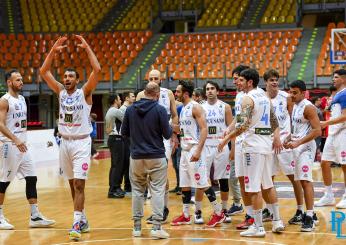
(195,156)
(221,146)
(58,45)
(277,145)
(83,43)
(323,124)
(292,144)
(20,145)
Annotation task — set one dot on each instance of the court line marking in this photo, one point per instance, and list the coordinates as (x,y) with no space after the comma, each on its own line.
(181,238)
(174,229)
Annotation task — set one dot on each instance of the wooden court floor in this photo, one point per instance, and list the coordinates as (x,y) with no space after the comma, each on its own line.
(110,219)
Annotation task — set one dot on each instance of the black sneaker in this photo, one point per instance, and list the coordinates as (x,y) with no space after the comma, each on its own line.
(235,209)
(266,215)
(315,219)
(116,194)
(308,223)
(179,192)
(297,219)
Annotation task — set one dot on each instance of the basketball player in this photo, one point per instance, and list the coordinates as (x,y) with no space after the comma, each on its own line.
(218,117)
(335,148)
(283,105)
(15,159)
(74,127)
(257,122)
(305,128)
(193,167)
(167,100)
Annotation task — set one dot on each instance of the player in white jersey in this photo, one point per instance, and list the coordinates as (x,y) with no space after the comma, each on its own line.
(218,117)
(335,147)
(74,127)
(283,105)
(305,128)
(15,159)
(167,100)
(193,167)
(257,122)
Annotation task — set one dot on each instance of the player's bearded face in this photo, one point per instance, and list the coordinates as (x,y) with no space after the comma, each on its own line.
(179,94)
(16,82)
(211,91)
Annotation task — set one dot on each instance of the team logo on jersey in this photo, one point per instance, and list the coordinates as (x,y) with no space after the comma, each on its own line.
(197,176)
(17,124)
(69,100)
(305,168)
(246,180)
(85,166)
(293,164)
(228,167)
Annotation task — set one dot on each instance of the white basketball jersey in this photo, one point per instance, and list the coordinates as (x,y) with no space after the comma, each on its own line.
(300,125)
(74,114)
(336,111)
(16,118)
(280,108)
(257,138)
(237,111)
(189,130)
(216,122)
(164,100)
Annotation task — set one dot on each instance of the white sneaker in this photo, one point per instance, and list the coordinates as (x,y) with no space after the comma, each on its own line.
(342,203)
(278,226)
(159,234)
(40,221)
(254,231)
(4,225)
(326,200)
(198,218)
(136,233)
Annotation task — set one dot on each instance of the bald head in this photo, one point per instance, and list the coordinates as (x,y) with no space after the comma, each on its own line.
(154,76)
(152,90)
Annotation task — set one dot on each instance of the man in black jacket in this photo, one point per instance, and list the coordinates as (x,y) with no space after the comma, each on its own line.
(146,124)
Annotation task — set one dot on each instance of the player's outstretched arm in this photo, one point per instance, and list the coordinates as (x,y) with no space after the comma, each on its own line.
(91,84)
(45,72)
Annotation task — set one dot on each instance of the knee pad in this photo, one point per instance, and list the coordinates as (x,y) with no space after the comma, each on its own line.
(224,185)
(3,186)
(186,196)
(210,194)
(31,191)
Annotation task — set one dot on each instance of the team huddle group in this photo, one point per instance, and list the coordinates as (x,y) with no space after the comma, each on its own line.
(271,131)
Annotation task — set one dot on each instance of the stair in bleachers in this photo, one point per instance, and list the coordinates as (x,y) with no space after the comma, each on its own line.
(17,17)
(253,15)
(114,16)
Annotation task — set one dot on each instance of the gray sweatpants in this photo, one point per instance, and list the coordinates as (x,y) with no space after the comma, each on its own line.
(156,170)
(234,185)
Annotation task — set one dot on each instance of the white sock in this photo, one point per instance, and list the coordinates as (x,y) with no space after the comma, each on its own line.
(276,212)
(34,210)
(186,210)
(329,190)
(217,207)
(77,216)
(84,218)
(269,207)
(258,218)
(310,213)
(198,205)
(249,210)
(224,204)
(1,211)
(300,207)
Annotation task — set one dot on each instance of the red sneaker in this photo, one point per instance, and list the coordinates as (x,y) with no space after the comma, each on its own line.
(246,223)
(181,220)
(215,219)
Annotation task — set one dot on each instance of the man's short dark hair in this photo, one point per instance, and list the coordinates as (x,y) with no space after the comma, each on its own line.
(187,86)
(9,74)
(314,99)
(126,94)
(199,92)
(340,72)
(298,84)
(270,73)
(215,84)
(239,69)
(250,74)
(112,98)
(73,70)
(332,89)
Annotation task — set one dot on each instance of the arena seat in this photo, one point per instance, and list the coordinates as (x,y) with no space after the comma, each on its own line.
(63,15)
(280,12)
